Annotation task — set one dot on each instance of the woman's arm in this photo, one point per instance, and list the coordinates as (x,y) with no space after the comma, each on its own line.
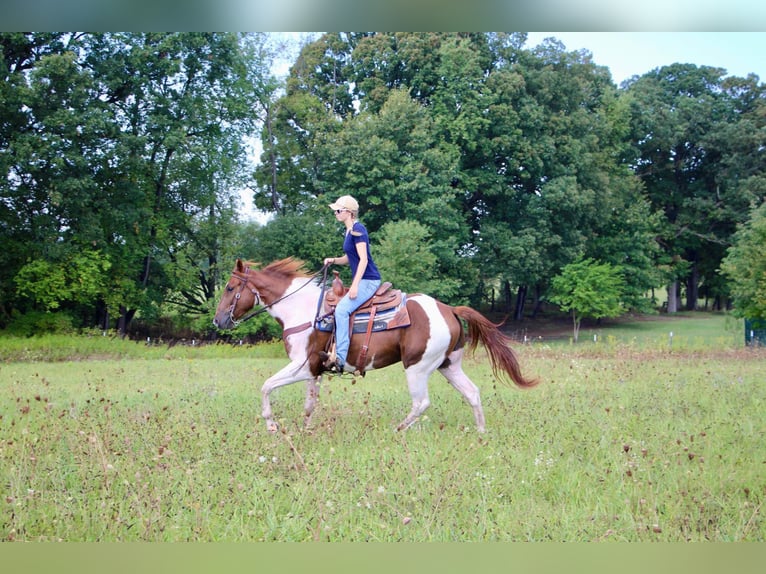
(361,249)
(336,260)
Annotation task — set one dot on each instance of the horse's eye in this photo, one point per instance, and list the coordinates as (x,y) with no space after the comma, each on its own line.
(229,288)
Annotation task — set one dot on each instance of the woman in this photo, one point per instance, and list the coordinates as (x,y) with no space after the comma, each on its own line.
(366,277)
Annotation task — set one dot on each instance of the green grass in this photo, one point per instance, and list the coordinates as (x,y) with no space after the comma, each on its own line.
(50,348)
(680,331)
(620,442)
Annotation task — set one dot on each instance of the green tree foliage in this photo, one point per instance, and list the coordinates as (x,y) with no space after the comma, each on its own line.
(588,288)
(128,145)
(82,278)
(310,235)
(696,137)
(503,164)
(404,255)
(394,163)
(509,158)
(745,267)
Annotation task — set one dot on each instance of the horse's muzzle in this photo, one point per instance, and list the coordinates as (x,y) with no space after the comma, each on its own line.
(223,321)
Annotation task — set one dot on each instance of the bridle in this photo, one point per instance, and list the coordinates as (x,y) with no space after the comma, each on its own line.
(245,281)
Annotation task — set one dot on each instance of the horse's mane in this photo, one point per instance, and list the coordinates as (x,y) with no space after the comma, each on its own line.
(290,267)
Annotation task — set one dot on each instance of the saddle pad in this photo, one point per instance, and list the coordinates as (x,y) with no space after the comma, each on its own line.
(393,318)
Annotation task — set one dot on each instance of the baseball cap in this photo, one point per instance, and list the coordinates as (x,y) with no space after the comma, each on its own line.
(345,202)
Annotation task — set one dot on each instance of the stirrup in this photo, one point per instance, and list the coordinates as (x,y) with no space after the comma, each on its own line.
(331,363)
(336,367)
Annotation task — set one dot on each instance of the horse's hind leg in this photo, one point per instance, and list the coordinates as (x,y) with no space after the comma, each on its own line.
(457,378)
(417,381)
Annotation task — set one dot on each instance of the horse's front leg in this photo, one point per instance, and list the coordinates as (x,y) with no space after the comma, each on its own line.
(312,396)
(290,374)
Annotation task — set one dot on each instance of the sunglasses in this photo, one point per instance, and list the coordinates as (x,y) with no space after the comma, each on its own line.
(337,211)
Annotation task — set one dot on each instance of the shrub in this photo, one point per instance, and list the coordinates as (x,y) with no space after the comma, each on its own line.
(41,322)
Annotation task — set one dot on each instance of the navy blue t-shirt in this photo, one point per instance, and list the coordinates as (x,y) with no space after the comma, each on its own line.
(358,234)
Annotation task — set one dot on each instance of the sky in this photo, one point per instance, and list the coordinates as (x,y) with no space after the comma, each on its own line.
(634,53)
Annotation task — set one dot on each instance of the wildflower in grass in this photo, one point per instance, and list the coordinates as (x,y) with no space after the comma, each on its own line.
(541,460)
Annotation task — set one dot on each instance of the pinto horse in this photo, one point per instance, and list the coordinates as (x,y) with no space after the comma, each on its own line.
(434,340)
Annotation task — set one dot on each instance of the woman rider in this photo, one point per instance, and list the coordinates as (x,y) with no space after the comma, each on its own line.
(366,277)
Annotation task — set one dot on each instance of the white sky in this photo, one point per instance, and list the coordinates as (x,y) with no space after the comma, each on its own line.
(634,53)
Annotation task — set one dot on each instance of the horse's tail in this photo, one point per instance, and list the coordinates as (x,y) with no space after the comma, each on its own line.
(502,357)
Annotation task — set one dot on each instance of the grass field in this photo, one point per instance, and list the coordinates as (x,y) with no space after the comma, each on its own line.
(634,437)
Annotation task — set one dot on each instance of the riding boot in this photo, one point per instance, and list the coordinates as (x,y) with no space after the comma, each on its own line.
(334,366)
(337,367)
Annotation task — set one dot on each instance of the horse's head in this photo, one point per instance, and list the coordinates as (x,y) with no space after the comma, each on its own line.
(238,297)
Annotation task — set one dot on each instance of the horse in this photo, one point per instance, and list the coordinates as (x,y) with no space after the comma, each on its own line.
(434,340)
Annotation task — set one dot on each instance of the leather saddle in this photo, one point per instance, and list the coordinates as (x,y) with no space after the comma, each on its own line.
(387,308)
(385,297)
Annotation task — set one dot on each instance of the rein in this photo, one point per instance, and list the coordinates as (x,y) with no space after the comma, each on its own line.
(245,281)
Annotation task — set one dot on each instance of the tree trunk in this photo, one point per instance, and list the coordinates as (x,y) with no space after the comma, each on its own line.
(521,297)
(102,315)
(507,294)
(209,282)
(538,302)
(673,297)
(576,321)
(692,288)
(272,161)
(123,323)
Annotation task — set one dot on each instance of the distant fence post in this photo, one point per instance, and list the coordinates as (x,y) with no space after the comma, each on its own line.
(755,332)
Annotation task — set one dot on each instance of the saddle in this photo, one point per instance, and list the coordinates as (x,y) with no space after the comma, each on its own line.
(385,297)
(386,309)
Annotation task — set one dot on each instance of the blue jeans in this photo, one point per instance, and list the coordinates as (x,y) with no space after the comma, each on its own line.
(346,306)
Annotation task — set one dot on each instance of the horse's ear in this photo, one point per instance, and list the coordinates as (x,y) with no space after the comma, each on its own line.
(240,266)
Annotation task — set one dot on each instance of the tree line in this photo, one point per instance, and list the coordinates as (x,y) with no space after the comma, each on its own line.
(483,168)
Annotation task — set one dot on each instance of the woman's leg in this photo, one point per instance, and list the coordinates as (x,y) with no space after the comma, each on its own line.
(343,311)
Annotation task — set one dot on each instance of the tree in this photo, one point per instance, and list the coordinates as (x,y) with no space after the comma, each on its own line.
(404,256)
(316,101)
(394,163)
(309,235)
(588,288)
(696,139)
(518,161)
(547,187)
(745,267)
(125,145)
(82,278)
